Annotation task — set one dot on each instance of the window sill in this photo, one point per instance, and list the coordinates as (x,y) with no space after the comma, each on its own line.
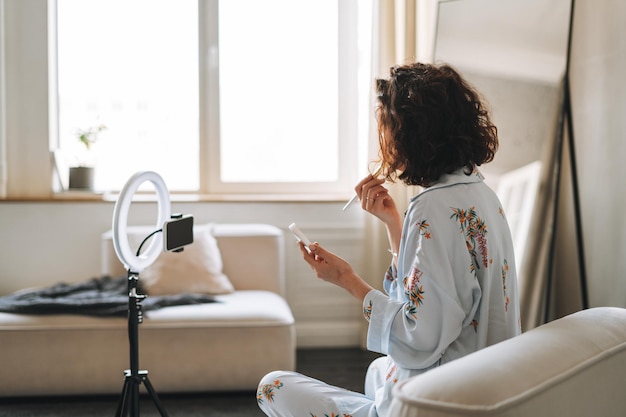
(88,196)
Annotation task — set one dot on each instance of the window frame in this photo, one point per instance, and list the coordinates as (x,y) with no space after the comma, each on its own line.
(210,182)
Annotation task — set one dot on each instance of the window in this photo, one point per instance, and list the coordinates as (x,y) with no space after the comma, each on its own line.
(131,66)
(237,96)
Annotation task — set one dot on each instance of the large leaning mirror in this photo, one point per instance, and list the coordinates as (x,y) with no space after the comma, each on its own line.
(515,53)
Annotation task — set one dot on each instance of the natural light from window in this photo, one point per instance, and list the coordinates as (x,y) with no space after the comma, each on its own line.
(278,90)
(133,67)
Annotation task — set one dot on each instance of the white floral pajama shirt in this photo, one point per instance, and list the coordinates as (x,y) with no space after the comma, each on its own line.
(453,292)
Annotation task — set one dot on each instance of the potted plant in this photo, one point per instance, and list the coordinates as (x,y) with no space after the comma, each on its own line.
(82,175)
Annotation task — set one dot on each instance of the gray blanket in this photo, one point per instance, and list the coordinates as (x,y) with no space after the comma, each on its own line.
(103,296)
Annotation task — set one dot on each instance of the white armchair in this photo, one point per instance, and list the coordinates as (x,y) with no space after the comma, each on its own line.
(574,367)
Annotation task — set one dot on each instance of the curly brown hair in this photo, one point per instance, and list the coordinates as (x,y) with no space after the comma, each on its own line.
(431,122)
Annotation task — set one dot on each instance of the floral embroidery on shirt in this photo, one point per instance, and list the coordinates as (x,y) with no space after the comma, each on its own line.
(367,311)
(267,391)
(332,415)
(414,291)
(424,229)
(392,374)
(414,277)
(475,231)
(389,275)
(474,324)
(505,270)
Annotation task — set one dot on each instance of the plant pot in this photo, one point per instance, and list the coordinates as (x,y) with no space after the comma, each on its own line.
(81,178)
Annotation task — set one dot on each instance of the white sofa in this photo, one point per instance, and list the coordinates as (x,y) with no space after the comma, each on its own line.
(227,345)
(574,367)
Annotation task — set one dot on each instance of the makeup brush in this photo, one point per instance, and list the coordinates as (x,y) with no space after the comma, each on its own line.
(375,174)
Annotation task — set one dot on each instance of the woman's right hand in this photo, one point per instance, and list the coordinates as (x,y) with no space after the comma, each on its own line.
(375,199)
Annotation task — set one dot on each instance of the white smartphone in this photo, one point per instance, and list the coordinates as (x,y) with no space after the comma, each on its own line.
(301,237)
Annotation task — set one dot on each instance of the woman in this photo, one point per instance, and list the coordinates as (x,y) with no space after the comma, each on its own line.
(451,288)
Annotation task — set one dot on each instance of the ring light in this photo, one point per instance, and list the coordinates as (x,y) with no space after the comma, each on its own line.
(131,261)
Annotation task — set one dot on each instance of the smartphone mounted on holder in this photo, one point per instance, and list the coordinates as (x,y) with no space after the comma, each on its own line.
(177,232)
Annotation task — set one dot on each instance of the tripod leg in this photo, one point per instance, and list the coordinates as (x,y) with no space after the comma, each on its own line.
(134,398)
(122,405)
(155,397)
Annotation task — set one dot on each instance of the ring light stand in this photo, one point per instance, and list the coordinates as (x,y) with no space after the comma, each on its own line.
(134,264)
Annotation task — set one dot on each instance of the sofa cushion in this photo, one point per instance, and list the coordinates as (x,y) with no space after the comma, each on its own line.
(197,269)
(240,309)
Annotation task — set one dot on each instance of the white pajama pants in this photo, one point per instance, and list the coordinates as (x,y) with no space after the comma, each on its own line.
(287,394)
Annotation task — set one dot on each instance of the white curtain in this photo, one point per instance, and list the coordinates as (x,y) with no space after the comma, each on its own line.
(403,32)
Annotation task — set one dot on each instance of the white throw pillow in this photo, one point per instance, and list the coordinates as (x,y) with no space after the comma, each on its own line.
(197,269)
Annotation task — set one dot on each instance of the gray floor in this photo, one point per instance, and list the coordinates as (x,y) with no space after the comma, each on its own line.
(342,367)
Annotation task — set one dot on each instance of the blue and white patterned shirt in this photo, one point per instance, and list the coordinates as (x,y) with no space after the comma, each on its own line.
(454,289)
